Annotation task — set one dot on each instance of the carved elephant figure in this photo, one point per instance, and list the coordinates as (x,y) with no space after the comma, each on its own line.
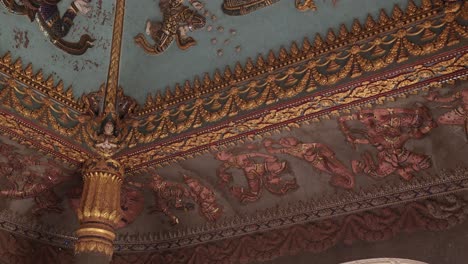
(56,27)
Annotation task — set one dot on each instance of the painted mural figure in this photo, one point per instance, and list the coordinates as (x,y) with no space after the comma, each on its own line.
(320,156)
(171,195)
(259,174)
(56,27)
(178,20)
(459,103)
(388,130)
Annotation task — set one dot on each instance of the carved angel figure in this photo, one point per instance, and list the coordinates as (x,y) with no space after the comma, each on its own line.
(265,173)
(320,156)
(458,102)
(171,195)
(56,27)
(388,130)
(178,20)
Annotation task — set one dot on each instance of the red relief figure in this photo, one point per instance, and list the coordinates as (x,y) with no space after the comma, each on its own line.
(205,198)
(459,104)
(29,184)
(171,195)
(320,156)
(388,130)
(266,173)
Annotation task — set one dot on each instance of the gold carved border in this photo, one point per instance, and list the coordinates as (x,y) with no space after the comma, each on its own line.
(27,134)
(420,31)
(297,73)
(411,79)
(335,48)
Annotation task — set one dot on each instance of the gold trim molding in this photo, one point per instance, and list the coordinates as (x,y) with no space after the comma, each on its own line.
(341,55)
(312,109)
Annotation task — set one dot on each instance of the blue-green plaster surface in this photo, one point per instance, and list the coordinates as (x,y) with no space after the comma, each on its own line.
(258,32)
(86,72)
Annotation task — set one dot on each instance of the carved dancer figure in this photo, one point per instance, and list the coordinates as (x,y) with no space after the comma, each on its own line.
(56,27)
(388,130)
(459,105)
(170,195)
(266,173)
(320,156)
(178,19)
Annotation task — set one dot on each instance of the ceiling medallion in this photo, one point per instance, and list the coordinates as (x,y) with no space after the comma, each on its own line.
(54,26)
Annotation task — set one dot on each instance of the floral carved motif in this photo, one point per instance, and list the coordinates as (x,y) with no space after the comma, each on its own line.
(370,226)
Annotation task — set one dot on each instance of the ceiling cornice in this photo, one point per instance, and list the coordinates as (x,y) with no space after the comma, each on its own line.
(208,112)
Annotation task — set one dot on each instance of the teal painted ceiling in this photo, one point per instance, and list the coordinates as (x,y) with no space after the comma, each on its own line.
(223,41)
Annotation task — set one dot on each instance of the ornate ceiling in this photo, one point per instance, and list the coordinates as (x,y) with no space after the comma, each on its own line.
(361,127)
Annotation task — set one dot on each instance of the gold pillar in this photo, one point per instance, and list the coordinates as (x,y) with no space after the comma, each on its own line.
(99,210)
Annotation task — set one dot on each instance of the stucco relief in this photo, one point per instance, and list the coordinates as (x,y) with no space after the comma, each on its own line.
(54,26)
(30,176)
(178,21)
(262,171)
(388,130)
(457,102)
(385,261)
(170,195)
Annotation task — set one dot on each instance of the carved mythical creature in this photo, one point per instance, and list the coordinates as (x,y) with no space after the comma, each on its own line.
(54,26)
(265,173)
(459,105)
(320,156)
(388,130)
(178,19)
(171,195)
(26,183)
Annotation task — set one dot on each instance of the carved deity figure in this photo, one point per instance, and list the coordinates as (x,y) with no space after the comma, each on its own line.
(107,138)
(388,130)
(264,173)
(178,20)
(56,27)
(320,156)
(171,195)
(458,102)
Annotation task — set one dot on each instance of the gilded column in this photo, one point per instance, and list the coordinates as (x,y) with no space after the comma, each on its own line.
(99,210)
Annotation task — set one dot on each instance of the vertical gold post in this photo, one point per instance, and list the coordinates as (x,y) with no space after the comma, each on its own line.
(99,210)
(114,66)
